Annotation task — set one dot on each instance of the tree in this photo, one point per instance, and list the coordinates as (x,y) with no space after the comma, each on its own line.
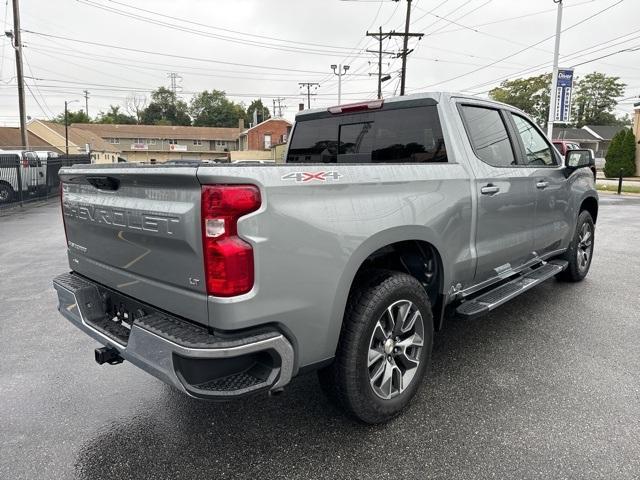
(165,108)
(73,117)
(114,116)
(135,105)
(530,95)
(595,98)
(213,109)
(621,155)
(262,112)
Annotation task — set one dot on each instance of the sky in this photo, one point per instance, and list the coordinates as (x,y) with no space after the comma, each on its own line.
(119,49)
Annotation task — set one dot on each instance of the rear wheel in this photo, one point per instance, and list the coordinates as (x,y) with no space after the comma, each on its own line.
(580,251)
(384,349)
(6,193)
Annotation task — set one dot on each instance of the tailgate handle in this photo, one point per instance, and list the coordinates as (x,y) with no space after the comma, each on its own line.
(104,183)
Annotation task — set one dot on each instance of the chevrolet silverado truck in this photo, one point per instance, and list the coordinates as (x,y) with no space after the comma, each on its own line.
(386,218)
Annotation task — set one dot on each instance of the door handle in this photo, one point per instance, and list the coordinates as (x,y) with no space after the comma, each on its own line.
(489,189)
(542,185)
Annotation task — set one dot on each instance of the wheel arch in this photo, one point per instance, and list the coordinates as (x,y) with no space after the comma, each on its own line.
(590,204)
(375,246)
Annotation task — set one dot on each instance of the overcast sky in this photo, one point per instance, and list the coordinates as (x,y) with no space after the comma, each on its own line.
(262,49)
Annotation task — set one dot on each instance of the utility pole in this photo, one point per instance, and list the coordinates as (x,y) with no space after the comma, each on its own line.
(405,51)
(17,46)
(554,75)
(280,106)
(309,85)
(405,48)
(86,102)
(341,70)
(380,37)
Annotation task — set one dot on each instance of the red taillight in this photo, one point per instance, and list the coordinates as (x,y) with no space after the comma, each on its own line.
(228,260)
(356,107)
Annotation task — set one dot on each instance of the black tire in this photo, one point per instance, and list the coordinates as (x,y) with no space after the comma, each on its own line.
(578,267)
(347,380)
(6,193)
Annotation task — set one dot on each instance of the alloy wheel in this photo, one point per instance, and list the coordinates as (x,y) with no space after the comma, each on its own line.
(394,349)
(585,246)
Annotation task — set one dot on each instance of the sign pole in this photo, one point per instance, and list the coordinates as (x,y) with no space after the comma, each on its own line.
(554,75)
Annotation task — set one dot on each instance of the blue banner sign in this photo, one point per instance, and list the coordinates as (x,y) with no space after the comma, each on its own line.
(563,95)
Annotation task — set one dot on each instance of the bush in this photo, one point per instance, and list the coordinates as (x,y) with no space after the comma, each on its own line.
(621,155)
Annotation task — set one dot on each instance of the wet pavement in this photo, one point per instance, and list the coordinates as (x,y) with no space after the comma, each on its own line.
(548,386)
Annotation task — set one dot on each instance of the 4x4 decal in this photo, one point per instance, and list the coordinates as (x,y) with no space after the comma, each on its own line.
(302,177)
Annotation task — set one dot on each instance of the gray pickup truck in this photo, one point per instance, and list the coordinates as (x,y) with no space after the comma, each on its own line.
(387,217)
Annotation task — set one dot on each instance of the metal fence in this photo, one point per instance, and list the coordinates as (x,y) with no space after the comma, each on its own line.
(25,180)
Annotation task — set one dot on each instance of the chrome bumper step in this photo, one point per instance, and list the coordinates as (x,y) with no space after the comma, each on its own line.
(492,299)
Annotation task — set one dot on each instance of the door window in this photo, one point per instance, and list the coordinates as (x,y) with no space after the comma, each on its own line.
(488,135)
(538,151)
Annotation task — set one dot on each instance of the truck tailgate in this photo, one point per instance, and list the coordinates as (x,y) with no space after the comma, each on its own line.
(137,230)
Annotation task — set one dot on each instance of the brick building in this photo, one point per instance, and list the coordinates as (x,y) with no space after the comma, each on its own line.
(264,135)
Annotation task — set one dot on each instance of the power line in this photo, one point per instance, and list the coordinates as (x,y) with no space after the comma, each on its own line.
(348,57)
(38,90)
(169,55)
(288,47)
(249,34)
(471,72)
(508,19)
(36,100)
(577,54)
(140,65)
(631,49)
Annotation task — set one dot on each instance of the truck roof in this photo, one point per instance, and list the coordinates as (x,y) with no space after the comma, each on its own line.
(435,96)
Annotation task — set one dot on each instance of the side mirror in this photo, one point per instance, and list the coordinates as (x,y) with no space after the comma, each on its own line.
(579,158)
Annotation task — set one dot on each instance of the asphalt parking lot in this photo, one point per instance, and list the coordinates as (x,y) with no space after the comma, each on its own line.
(548,386)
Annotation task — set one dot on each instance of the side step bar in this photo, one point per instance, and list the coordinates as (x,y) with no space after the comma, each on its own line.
(494,298)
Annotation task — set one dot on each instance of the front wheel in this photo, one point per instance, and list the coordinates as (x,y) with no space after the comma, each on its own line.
(384,349)
(580,251)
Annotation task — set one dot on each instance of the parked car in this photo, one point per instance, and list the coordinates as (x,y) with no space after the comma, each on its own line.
(564,147)
(253,162)
(20,171)
(386,217)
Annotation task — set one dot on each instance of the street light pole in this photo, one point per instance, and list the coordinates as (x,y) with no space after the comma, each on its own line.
(342,69)
(554,75)
(66,128)
(66,125)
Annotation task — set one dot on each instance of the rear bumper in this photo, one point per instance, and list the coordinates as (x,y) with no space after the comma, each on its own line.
(175,351)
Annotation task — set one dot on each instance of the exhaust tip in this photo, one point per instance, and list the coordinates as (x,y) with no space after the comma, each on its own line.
(108,355)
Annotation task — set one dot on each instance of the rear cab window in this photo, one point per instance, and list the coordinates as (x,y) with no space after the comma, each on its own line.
(397,135)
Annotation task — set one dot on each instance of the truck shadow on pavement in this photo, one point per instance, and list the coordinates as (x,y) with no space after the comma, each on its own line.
(476,370)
